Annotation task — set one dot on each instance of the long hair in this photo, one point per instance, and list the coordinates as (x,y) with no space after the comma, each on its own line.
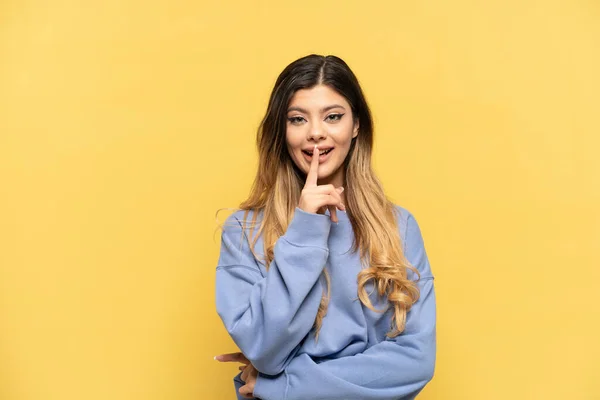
(278,184)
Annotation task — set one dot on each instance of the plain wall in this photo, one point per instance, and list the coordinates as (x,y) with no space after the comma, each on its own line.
(125,125)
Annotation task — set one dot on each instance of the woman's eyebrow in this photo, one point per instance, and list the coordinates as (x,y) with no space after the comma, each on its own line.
(325,109)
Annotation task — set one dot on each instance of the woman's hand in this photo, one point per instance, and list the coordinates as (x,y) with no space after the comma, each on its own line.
(315,198)
(249,373)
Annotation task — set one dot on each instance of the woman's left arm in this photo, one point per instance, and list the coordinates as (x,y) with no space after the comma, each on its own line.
(396,368)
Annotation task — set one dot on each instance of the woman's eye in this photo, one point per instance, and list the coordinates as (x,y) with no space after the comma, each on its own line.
(334,117)
(296,120)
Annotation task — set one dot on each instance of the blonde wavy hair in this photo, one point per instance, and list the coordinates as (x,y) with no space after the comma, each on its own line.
(278,184)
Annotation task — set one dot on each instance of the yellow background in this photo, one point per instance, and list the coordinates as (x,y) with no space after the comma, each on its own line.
(125,124)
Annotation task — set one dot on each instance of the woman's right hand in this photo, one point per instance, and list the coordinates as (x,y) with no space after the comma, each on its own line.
(315,198)
(249,373)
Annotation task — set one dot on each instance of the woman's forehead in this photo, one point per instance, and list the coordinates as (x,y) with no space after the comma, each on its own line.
(317,98)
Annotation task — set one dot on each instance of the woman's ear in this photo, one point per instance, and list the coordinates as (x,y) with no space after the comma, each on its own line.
(356,127)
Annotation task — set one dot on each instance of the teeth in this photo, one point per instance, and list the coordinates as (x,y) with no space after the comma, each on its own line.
(320,153)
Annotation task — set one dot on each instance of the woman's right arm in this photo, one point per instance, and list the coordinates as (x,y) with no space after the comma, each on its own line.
(269,316)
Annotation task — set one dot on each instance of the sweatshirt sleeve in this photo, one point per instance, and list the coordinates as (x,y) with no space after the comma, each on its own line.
(269,314)
(396,368)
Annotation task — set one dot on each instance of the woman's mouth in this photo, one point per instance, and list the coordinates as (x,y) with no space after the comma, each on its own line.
(322,152)
(323,155)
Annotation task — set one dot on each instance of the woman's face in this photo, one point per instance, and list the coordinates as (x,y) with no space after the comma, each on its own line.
(320,116)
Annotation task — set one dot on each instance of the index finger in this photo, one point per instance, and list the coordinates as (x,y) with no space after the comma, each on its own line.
(313,171)
(232,357)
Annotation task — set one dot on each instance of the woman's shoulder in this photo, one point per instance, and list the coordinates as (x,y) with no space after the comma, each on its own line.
(241,215)
(412,240)
(403,215)
(241,219)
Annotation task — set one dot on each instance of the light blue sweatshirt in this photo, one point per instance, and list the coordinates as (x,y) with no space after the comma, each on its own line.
(270,314)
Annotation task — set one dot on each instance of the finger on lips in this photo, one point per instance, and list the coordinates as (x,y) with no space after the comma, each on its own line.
(333,199)
(313,172)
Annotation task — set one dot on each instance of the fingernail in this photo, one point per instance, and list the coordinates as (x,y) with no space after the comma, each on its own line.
(340,189)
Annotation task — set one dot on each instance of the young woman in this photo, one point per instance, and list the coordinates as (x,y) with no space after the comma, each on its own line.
(322,282)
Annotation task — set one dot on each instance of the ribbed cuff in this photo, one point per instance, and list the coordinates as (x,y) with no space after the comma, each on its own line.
(269,387)
(308,229)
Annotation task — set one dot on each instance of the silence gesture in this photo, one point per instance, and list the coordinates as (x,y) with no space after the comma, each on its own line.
(317,198)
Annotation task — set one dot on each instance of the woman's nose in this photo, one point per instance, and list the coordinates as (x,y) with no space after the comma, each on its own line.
(317,132)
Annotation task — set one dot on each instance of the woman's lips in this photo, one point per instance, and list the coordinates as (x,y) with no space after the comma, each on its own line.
(322,157)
